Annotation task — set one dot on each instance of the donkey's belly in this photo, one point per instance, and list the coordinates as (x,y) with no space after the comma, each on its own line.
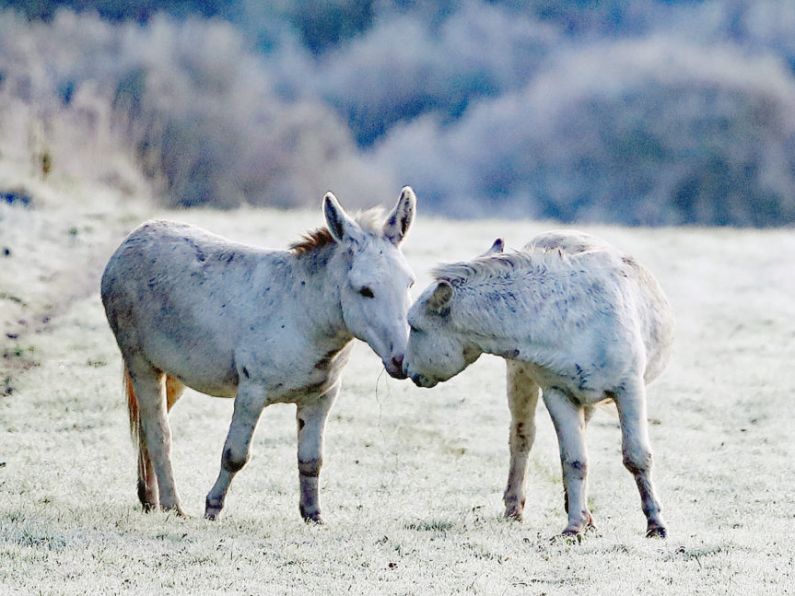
(210,386)
(579,383)
(200,367)
(205,381)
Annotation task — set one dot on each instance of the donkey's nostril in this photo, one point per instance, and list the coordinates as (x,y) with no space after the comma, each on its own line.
(397,361)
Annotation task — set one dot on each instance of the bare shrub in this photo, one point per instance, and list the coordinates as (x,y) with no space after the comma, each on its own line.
(405,67)
(196,107)
(649,112)
(649,132)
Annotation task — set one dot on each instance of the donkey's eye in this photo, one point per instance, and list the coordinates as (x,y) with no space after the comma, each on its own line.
(366,292)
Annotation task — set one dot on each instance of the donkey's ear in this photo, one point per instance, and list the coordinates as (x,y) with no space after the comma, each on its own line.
(496,248)
(399,221)
(441,296)
(341,226)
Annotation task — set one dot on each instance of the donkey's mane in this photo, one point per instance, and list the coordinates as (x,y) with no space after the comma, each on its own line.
(321,237)
(486,268)
(312,240)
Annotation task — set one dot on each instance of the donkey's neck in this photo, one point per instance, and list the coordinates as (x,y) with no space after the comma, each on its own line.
(496,319)
(317,277)
(506,347)
(531,308)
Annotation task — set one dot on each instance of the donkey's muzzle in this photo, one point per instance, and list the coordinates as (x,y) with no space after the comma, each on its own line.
(395,367)
(422,381)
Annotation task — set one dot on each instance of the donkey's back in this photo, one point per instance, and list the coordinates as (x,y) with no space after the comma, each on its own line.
(177,296)
(652,309)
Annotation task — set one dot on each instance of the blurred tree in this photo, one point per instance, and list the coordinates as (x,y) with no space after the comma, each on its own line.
(122,10)
(651,132)
(324,23)
(650,111)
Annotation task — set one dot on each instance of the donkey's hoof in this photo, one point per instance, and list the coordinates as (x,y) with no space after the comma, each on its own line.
(514,509)
(147,497)
(177,510)
(313,519)
(578,531)
(655,531)
(580,527)
(212,509)
(567,536)
(310,512)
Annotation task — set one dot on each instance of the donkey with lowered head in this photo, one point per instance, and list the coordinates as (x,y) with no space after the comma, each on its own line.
(578,322)
(262,326)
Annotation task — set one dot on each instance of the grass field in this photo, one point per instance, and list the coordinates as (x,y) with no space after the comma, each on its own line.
(411,490)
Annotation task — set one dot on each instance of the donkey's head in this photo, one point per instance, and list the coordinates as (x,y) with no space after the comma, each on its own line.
(374,292)
(437,350)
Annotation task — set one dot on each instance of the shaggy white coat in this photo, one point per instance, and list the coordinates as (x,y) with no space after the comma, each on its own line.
(574,318)
(263,326)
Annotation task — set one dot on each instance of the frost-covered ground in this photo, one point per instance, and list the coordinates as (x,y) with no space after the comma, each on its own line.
(412,485)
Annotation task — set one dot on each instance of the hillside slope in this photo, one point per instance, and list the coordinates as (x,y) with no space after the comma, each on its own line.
(412,484)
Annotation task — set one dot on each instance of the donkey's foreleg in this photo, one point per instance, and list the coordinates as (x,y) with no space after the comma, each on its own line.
(249,402)
(311,421)
(588,412)
(522,401)
(568,418)
(637,454)
(156,435)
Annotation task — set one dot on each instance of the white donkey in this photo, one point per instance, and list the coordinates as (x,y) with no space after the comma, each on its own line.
(573,317)
(263,326)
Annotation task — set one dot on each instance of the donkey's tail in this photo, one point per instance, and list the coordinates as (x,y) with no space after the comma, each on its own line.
(132,407)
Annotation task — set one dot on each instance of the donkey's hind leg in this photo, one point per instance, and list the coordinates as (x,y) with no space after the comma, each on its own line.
(522,401)
(155,433)
(635,447)
(147,484)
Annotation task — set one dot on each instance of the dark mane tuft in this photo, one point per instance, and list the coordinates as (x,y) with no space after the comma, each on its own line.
(312,240)
(369,221)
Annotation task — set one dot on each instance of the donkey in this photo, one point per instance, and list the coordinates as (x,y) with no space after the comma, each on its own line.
(574,318)
(189,308)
